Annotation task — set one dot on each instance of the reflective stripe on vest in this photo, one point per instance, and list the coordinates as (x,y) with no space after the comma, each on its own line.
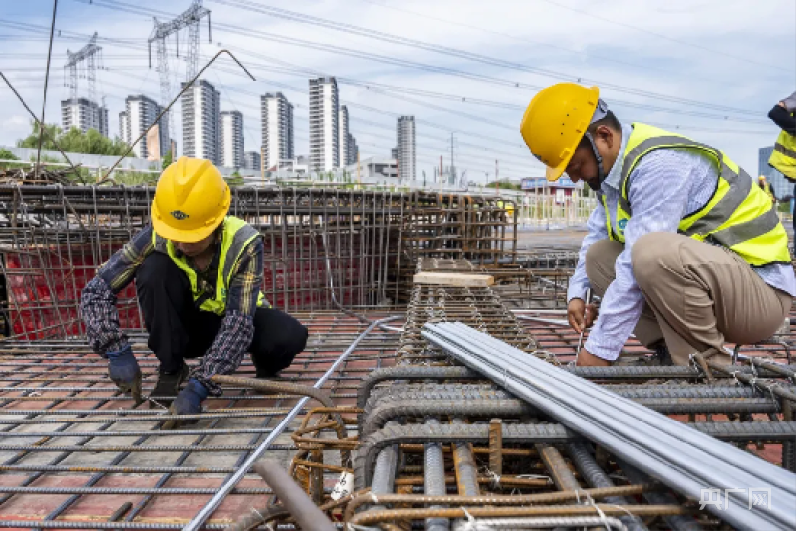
(783,157)
(739,215)
(236,235)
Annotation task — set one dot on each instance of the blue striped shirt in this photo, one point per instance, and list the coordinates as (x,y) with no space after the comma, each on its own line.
(664,187)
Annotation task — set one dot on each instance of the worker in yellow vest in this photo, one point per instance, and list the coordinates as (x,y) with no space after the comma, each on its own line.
(783,157)
(198,275)
(767,187)
(684,247)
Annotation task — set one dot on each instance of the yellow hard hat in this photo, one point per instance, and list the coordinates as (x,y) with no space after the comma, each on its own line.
(191,199)
(555,122)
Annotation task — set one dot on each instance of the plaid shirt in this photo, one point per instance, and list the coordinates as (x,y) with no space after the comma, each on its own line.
(99,299)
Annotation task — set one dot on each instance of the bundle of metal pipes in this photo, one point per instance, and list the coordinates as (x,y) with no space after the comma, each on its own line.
(682,458)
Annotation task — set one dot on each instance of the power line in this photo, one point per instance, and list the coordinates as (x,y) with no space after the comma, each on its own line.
(532,41)
(454,52)
(666,37)
(327,47)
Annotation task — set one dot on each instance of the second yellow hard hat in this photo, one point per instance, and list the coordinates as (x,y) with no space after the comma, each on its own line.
(191,200)
(555,122)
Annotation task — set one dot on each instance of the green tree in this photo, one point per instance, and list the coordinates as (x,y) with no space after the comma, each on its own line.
(91,142)
(166,161)
(7,154)
(235,179)
(32,141)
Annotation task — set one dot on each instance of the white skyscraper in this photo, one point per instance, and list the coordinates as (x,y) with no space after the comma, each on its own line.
(343,136)
(406,148)
(140,113)
(201,122)
(232,139)
(277,129)
(84,115)
(324,129)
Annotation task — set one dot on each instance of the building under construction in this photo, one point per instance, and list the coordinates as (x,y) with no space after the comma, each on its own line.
(435,392)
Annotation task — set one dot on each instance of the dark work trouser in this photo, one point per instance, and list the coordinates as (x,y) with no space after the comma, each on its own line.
(178,330)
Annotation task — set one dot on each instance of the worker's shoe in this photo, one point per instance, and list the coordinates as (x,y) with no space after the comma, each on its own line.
(662,355)
(168,385)
(124,371)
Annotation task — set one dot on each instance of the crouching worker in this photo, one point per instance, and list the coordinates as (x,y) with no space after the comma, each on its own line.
(198,276)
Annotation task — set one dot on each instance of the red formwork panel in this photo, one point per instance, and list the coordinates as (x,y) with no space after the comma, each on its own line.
(44,283)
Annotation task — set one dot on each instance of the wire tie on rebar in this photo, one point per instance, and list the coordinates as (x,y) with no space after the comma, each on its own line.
(599,511)
(692,360)
(263,519)
(469,518)
(373,497)
(623,509)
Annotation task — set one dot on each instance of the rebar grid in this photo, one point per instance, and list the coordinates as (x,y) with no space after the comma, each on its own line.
(53,238)
(79,469)
(520,453)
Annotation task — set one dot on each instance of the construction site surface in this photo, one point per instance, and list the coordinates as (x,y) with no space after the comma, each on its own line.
(397,416)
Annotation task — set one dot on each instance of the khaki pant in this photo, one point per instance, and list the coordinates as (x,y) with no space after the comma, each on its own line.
(697,296)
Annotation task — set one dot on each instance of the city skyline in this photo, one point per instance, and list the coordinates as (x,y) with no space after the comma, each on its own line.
(479,95)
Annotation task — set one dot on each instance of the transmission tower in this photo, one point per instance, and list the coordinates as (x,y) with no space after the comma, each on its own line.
(161,30)
(84,60)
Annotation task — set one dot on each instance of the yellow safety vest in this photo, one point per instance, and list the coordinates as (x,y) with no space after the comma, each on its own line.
(783,157)
(236,235)
(740,216)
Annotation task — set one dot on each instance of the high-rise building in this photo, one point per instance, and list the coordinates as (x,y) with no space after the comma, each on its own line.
(343,136)
(252,160)
(324,127)
(84,114)
(353,149)
(406,148)
(232,150)
(139,115)
(123,127)
(277,129)
(201,122)
(782,187)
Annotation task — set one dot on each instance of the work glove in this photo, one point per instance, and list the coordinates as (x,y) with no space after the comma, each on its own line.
(187,403)
(124,371)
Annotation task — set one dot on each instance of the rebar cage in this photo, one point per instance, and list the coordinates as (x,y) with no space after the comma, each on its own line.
(359,247)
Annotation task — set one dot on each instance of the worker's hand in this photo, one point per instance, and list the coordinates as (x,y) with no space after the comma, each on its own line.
(188,402)
(124,371)
(586,359)
(577,317)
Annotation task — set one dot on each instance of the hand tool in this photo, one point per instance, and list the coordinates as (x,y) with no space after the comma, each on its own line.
(589,294)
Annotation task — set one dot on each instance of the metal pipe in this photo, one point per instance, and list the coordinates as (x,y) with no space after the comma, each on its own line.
(293,497)
(652,446)
(546,523)
(199,520)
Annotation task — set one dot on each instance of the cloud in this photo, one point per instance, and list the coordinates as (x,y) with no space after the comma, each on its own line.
(715,52)
(16,122)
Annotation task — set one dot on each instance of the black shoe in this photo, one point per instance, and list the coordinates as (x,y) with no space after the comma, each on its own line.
(168,385)
(662,355)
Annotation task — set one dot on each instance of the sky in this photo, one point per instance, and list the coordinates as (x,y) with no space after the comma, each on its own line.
(465,69)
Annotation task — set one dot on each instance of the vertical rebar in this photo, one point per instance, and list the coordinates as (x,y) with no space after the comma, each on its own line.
(434,479)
